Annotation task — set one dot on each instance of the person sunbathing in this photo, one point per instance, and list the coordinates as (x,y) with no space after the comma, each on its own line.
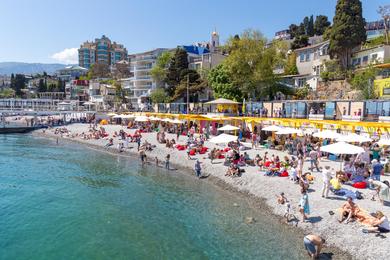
(379,225)
(349,211)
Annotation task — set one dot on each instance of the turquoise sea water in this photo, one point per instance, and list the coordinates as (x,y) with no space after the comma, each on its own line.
(69,202)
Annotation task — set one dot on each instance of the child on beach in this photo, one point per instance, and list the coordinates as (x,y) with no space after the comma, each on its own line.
(197,169)
(157,162)
(304,208)
(283,200)
(167,158)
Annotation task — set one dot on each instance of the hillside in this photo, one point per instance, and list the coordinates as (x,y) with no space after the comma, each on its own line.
(7,68)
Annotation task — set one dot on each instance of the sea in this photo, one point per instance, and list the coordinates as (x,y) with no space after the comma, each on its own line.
(66,201)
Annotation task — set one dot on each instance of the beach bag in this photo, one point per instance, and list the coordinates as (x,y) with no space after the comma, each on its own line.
(359,195)
(360,185)
(284,174)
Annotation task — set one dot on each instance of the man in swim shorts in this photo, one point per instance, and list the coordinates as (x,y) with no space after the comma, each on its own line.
(313,245)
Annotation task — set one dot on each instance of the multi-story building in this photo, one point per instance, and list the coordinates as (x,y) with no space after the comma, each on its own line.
(77,90)
(375,55)
(71,72)
(101,51)
(140,85)
(310,63)
(283,35)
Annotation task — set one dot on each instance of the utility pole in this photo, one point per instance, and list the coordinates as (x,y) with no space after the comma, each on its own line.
(188,94)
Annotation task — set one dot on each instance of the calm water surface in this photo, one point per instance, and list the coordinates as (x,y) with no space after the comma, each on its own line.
(70,202)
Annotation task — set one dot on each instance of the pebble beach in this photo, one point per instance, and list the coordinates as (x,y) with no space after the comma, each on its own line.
(346,240)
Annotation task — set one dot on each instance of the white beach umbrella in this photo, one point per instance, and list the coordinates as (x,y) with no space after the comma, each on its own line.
(289,131)
(167,120)
(141,119)
(153,118)
(228,128)
(272,128)
(127,116)
(223,139)
(342,148)
(177,121)
(327,134)
(384,142)
(353,138)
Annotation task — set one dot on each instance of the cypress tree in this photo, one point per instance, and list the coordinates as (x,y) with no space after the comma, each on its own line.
(347,31)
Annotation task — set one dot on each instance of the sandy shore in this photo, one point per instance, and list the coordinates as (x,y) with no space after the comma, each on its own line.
(347,237)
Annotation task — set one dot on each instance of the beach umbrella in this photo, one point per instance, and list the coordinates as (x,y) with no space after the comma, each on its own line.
(223,139)
(272,128)
(289,131)
(127,116)
(353,138)
(342,148)
(152,118)
(141,119)
(177,121)
(111,114)
(327,134)
(384,142)
(228,128)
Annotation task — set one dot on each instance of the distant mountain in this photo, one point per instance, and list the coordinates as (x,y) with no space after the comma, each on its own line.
(7,68)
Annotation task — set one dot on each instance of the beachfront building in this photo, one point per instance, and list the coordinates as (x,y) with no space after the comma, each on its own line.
(101,51)
(140,85)
(77,90)
(283,35)
(310,63)
(375,55)
(71,72)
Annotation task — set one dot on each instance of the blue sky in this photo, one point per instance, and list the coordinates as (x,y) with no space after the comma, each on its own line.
(37,30)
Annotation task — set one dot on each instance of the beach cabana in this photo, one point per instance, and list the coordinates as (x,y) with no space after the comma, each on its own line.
(223,104)
(223,139)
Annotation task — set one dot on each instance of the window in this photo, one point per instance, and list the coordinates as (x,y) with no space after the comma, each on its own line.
(301,82)
(307,56)
(374,57)
(302,57)
(365,59)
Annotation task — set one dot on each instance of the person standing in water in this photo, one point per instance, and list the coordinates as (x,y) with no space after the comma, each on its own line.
(167,158)
(198,169)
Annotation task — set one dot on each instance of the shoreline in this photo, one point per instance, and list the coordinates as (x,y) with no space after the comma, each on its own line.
(255,201)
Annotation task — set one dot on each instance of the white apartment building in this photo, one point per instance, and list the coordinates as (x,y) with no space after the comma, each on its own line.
(141,84)
(375,55)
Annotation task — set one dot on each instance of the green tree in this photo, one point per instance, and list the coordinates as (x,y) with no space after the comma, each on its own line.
(321,24)
(41,86)
(293,28)
(159,71)
(291,64)
(348,30)
(251,63)
(300,42)
(99,70)
(158,95)
(174,76)
(364,81)
(18,82)
(60,85)
(221,83)
(7,93)
(310,27)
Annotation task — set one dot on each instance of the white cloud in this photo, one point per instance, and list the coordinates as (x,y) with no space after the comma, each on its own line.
(67,56)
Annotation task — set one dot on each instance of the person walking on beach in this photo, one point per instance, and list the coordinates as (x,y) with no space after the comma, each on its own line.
(188,152)
(304,207)
(313,245)
(167,158)
(326,177)
(198,168)
(138,142)
(314,160)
